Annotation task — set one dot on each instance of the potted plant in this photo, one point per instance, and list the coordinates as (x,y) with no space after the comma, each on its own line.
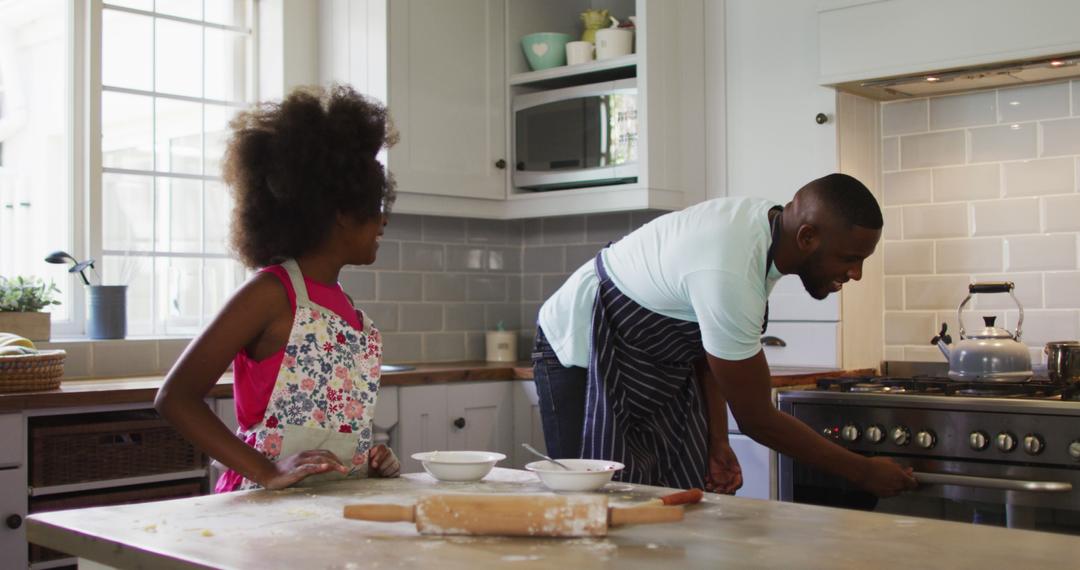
(21,301)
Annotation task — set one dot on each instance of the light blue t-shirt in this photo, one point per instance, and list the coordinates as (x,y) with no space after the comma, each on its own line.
(704,264)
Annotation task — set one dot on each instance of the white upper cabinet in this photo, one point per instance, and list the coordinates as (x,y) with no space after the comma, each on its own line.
(868,39)
(450,72)
(447,96)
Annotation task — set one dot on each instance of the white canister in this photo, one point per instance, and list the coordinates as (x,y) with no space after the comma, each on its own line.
(579,52)
(614,42)
(501,346)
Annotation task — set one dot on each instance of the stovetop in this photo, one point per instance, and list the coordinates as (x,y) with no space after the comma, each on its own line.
(1036,388)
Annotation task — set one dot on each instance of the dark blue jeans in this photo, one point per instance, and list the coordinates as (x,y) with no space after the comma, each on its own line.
(561,391)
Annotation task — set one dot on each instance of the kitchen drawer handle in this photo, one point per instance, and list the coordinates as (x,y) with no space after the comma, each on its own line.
(459,423)
(993,483)
(772,341)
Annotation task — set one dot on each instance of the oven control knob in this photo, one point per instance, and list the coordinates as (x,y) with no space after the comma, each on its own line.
(901,435)
(875,434)
(850,432)
(925,439)
(1033,444)
(1006,441)
(978,440)
(1074,450)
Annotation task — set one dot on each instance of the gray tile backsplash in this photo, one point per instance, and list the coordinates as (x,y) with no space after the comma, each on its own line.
(451,279)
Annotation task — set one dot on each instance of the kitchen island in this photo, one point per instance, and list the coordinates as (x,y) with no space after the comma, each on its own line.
(303,527)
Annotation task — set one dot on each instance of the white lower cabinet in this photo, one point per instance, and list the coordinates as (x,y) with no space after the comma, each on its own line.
(527,425)
(473,416)
(755,460)
(12,514)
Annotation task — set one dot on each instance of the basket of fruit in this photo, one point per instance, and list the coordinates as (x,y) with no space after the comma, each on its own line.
(24,368)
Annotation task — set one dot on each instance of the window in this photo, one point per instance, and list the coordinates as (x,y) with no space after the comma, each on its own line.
(36,214)
(172,75)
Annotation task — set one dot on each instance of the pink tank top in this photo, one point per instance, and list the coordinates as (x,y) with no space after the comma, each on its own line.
(253,380)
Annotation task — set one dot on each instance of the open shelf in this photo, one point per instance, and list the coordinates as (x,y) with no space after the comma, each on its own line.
(594,71)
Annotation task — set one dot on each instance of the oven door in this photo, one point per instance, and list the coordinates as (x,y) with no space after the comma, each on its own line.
(578,136)
(1017,496)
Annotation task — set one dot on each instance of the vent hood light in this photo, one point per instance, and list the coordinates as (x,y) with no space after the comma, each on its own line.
(1005,74)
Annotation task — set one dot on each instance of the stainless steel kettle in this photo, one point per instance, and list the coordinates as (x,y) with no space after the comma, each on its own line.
(990,354)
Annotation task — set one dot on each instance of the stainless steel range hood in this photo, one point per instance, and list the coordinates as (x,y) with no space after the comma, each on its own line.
(991,76)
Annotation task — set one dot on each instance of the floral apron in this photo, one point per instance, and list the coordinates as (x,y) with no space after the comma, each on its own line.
(324,396)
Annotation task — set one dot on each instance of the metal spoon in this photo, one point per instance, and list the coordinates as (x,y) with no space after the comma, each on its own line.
(538,454)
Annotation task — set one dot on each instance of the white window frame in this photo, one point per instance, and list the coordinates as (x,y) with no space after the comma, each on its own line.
(86,155)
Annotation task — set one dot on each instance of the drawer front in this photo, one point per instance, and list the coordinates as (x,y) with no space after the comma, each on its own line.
(755,460)
(789,301)
(12,440)
(808,344)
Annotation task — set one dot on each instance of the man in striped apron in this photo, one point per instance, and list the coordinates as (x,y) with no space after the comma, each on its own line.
(640,352)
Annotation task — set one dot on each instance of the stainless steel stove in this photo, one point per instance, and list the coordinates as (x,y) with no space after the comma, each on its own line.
(1005,454)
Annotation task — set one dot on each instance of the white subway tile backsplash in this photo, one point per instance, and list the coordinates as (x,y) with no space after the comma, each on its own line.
(1046,252)
(1005,217)
(1062,213)
(907,187)
(894,353)
(933,149)
(1014,141)
(976,182)
(890,154)
(893,217)
(1028,288)
(933,292)
(904,117)
(1039,177)
(908,328)
(1060,137)
(1041,327)
(1063,290)
(938,221)
(963,110)
(997,211)
(894,293)
(1032,102)
(923,354)
(909,257)
(969,255)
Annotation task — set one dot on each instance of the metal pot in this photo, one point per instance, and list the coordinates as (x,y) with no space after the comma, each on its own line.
(1063,361)
(991,354)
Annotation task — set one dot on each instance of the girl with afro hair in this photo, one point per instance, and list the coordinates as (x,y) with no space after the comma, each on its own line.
(310,198)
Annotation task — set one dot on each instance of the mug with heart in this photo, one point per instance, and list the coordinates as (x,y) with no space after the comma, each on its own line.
(545,50)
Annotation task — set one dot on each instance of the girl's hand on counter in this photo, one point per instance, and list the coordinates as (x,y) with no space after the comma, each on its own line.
(383,462)
(297,467)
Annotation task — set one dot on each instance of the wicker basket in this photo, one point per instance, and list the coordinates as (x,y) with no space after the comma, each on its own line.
(27,372)
(108,445)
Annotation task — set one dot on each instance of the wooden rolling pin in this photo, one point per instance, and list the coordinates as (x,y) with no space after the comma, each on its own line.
(687,497)
(513,515)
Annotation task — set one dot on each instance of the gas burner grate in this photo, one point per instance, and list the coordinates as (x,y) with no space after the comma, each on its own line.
(940,386)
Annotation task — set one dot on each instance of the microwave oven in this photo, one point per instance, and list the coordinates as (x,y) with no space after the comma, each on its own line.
(576,137)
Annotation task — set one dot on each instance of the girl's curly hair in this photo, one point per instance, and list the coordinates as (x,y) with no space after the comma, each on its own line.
(294,165)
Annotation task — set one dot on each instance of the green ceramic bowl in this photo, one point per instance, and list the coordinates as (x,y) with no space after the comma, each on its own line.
(545,50)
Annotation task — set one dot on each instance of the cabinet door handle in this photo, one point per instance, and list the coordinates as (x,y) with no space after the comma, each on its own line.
(13,521)
(459,423)
(772,341)
(500,164)
(821,118)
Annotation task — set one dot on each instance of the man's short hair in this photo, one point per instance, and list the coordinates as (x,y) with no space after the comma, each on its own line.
(849,200)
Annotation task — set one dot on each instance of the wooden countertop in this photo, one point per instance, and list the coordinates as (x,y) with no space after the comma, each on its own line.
(275,529)
(142,389)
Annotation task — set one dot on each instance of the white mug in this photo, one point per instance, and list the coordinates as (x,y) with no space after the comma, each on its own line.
(578,52)
(614,42)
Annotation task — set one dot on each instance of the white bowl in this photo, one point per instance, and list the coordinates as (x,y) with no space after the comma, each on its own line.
(458,466)
(584,474)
